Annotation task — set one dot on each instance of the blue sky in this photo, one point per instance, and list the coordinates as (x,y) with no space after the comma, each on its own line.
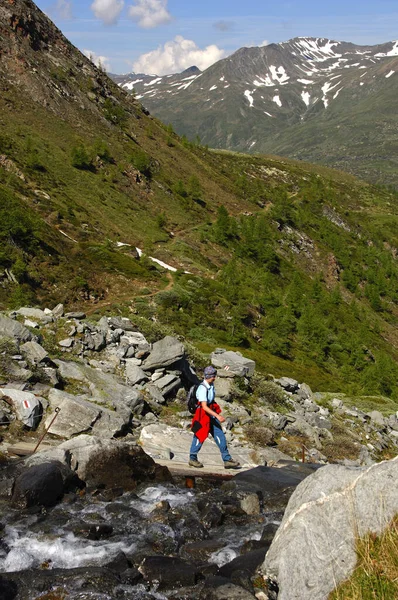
(167,36)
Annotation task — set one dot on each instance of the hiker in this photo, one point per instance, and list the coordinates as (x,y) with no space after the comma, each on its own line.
(207,419)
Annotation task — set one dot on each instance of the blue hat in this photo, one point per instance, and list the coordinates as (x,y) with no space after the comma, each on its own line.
(209,372)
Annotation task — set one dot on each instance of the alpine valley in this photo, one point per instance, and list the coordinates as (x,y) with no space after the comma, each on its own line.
(130,258)
(293,262)
(311,99)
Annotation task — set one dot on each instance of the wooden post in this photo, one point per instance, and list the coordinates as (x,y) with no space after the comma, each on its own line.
(57,410)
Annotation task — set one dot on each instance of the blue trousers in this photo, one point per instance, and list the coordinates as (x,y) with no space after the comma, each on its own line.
(219,438)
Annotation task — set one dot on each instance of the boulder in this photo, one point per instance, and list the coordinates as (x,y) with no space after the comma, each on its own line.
(154,393)
(288,384)
(76,415)
(159,437)
(121,323)
(168,572)
(111,424)
(34,313)
(233,362)
(28,408)
(58,311)
(220,588)
(223,387)
(134,373)
(13,329)
(41,485)
(168,383)
(377,418)
(104,388)
(314,548)
(95,341)
(304,391)
(76,315)
(35,354)
(165,352)
(337,403)
(66,343)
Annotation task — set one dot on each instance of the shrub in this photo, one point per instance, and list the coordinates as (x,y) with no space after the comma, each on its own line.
(260,436)
(270,393)
(80,158)
(102,150)
(141,161)
(114,113)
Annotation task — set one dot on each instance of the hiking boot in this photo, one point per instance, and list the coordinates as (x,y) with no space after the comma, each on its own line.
(195,463)
(231,464)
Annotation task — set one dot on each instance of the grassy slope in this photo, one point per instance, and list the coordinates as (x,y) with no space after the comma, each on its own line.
(271,273)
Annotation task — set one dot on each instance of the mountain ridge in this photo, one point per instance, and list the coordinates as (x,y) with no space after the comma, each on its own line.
(272,98)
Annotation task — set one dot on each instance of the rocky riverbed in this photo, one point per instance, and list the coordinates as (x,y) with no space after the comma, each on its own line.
(101,511)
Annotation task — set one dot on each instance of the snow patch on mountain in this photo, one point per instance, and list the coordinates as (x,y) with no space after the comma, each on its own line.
(248,95)
(277,100)
(306,97)
(279,74)
(130,85)
(389,74)
(154,81)
(393,51)
(318,50)
(264,82)
(305,81)
(184,86)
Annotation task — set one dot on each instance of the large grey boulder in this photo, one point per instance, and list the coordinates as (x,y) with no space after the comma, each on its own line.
(314,548)
(168,383)
(104,388)
(111,424)
(288,384)
(165,352)
(223,388)
(13,329)
(134,373)
(35,354)
(28,408)
(233,362)
(76,414)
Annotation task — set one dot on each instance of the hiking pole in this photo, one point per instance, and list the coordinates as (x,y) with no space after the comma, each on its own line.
(57,411)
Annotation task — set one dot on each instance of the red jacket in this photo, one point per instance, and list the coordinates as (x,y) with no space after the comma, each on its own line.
(202,420)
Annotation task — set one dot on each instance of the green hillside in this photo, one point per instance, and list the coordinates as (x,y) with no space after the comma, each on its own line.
(293,263)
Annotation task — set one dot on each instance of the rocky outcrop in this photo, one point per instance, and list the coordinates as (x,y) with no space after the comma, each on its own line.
(232,363)
(314,548)
(112,382)
(165,352)
(13,329)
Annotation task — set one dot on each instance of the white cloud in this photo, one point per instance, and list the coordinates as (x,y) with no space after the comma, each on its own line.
(177,55)
(107,10)
(150,13)
(62,9)
(264,43)
(101,61)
